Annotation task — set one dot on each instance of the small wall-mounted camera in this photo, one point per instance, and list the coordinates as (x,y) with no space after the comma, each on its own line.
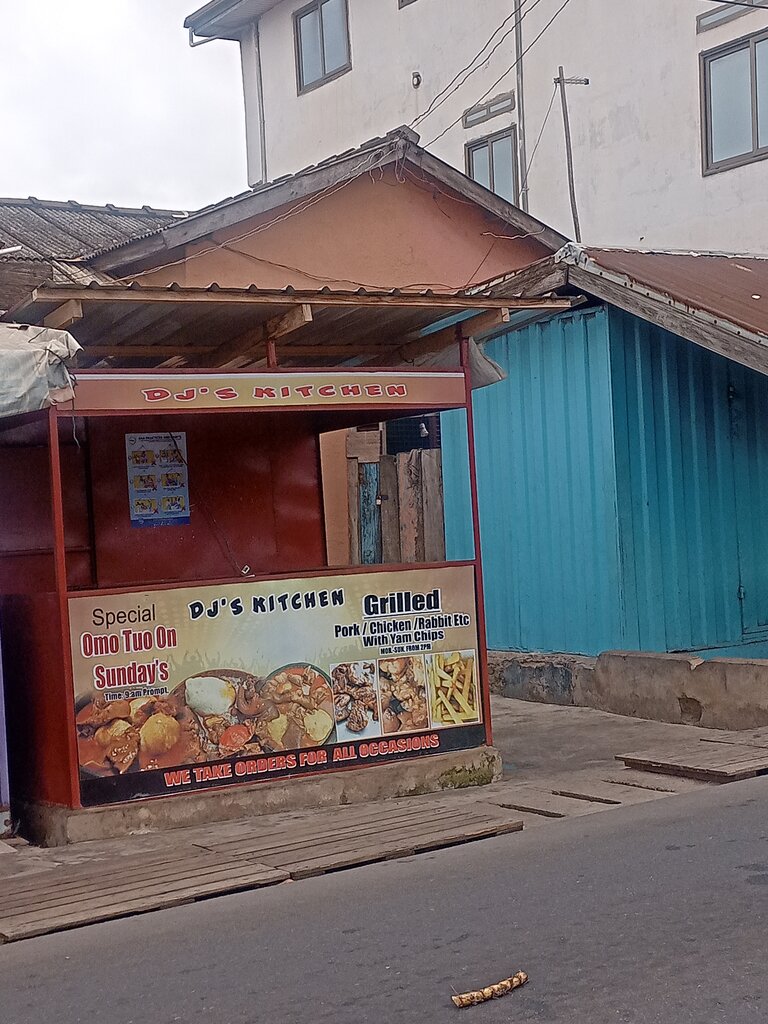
(416,79)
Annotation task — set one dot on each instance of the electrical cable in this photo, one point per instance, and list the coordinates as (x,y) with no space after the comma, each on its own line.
(447,91)
(376,159)
(524,183)
(503,75)
(241,569)
(738,3)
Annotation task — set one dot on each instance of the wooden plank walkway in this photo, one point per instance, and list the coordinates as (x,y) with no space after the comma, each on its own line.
(362,836)
(708,760)
(193,864)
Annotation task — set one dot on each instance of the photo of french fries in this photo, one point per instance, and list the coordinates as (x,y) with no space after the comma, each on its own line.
(453,688)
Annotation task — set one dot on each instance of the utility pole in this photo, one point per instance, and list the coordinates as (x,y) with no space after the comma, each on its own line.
(562,81)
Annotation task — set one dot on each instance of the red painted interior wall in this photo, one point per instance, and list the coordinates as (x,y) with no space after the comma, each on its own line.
(255,499)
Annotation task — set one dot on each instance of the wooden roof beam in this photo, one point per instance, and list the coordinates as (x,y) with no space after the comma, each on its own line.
(243,297)
(239,351)
(64,315)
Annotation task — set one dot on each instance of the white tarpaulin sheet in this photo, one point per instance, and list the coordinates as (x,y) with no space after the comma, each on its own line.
(33,371)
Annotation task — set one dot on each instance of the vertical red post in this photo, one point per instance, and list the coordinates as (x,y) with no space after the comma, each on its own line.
(60,568)
(463,343)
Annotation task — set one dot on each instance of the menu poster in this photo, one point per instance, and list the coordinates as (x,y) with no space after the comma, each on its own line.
(191,687)
(158,484)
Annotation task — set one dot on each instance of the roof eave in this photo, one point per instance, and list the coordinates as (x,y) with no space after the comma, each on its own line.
(402,145)
(697,325)
(281,192)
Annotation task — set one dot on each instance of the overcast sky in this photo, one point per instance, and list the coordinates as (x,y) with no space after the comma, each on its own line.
(104,101)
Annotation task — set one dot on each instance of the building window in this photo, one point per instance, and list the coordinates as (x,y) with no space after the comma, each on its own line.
(726,12)
(734,81)
(322,42)
(404,3)
(485,111)
(492,162)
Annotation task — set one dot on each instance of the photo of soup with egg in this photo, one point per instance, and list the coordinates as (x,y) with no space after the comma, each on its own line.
(208,717)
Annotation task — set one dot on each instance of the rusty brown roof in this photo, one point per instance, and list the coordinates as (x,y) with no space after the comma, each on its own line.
(727,287)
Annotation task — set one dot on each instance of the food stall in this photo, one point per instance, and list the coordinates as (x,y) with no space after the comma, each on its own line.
(181,629)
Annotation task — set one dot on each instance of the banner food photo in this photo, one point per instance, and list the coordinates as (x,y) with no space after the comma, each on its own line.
(187,688)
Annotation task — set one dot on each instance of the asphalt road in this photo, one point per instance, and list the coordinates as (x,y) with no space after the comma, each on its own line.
(656,914)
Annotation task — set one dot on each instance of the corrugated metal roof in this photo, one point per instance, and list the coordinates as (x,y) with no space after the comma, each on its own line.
(69,230)
(728,287)
(203,325)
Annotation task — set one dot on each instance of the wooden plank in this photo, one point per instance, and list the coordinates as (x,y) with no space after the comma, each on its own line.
(434,510)
(364,445)
(542,801)
(370,514)
(143,351)
(243,348)
(667,766)
(390,510)
(411,506)
(703,756)
(238,879)
(64,315)
(287,323)
(106,872)
(608,793)
(649,780)
(353,499)
(483,324)
(277,297)
(334,860)
(103,887)
(343,836)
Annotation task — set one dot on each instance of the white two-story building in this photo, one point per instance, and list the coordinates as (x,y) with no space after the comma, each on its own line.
(669,137)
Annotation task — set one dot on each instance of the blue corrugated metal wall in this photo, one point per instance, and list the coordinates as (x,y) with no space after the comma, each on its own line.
(677,506)
(623,479)
(547,489)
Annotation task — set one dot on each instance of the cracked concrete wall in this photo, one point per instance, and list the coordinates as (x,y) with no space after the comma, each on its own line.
(719,693)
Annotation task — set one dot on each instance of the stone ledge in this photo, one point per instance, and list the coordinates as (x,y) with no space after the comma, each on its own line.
(716,693)
(719,693)
(49,825)
(544,678)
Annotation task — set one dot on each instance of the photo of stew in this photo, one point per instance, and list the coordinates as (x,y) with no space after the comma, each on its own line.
(211,716)
(402,683)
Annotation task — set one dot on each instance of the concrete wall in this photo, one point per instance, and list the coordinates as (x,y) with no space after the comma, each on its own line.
(636,127)
(720,693)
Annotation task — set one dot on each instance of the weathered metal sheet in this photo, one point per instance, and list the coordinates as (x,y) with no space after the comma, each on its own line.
(734,288)
(547,489)
(675,474)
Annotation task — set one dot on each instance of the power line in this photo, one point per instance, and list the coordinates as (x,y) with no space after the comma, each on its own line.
(504,73)
(738,3)
(524,183)
(455,84)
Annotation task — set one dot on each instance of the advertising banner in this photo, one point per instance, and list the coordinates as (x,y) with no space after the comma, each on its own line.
(172,392)
(182,689)
(158,488)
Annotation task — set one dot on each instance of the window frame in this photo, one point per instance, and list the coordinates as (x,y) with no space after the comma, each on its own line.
(484,112)
(718,16)
(757,153)
(487,142)
(317,5)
